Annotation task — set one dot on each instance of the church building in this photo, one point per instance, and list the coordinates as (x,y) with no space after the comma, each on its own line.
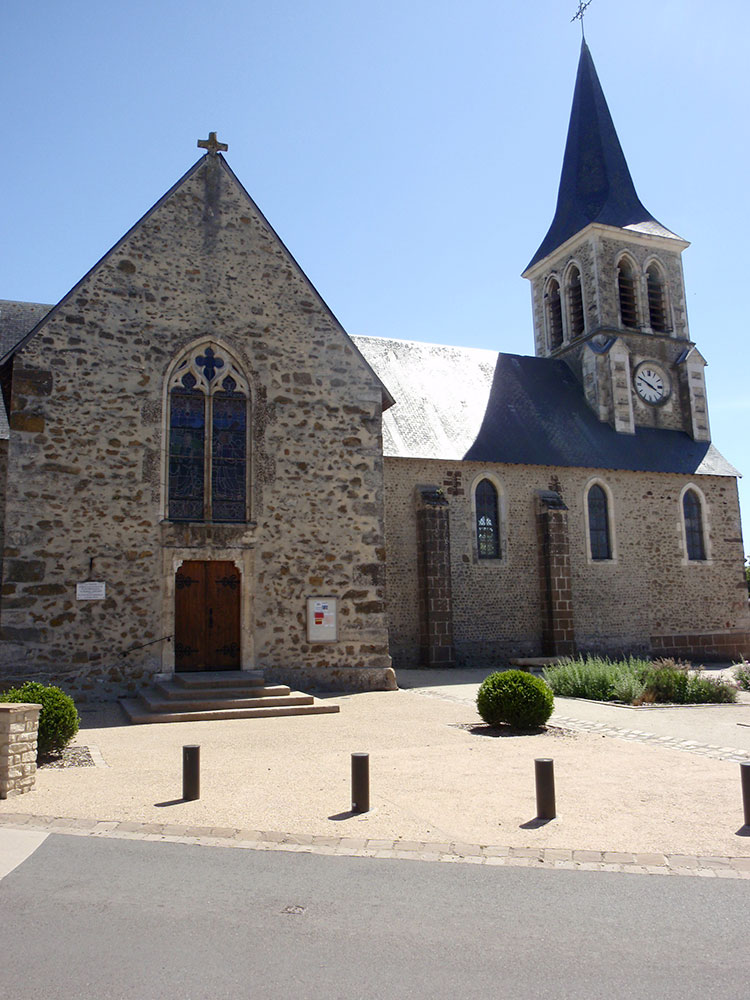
(202,471)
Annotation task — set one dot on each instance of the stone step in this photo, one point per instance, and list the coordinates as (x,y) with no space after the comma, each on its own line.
(177,692)
(209,701)
(139,715)
(220,678)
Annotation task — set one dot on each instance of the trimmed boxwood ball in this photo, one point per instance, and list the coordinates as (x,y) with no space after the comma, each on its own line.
(515,697)
(58,719)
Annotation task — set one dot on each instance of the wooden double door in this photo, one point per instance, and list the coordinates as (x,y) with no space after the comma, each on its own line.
(207,616)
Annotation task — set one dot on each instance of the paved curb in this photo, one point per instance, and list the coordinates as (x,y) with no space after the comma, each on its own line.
(638,736)
(455,852)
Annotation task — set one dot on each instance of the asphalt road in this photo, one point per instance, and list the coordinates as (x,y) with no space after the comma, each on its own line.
(85,918)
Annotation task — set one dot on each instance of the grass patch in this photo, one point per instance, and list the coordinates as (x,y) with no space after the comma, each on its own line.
(636,681)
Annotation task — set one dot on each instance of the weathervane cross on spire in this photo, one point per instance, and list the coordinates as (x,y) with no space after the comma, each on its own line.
(578,16)
(214,146)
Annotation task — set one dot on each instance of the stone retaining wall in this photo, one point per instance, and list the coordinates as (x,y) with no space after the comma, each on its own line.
(19,725)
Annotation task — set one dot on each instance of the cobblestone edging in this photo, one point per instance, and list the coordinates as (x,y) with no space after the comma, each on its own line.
(638,736)
(517,857)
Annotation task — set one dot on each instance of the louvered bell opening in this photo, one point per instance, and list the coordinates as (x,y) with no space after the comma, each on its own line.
(657,310)
(575,305)
(554,316)
(626,286)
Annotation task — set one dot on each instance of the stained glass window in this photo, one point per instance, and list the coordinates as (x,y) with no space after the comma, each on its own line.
(229,434)
(488,528)
(187,431)
(691,509)
(599,524)
(207,441)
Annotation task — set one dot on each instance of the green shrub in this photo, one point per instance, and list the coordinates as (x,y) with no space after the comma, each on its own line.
(704,690)
(742,675)
(598,678)
(637,681)
(515,697)
(628,687)
(668,684)
(58,719)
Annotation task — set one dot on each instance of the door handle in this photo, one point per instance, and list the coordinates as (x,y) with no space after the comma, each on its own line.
(210,617)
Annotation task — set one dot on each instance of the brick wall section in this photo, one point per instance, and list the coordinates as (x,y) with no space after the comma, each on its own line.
(434,572)
(19,724)
(716,646)
(558,632)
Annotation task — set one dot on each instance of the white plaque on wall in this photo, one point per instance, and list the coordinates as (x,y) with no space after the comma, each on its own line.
(322,619)
(91,590)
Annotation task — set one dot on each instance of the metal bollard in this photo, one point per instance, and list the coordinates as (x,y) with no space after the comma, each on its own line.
(191,772)
(360,782)
(745,780)
(544,772)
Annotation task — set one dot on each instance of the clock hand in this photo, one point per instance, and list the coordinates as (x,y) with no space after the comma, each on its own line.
(648,383)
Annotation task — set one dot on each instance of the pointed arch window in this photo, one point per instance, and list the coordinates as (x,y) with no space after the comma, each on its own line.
(553,310)
(487,520)
(575,303)
(207,456)
(627,294)
(657,299)
(599,540)
(693,517)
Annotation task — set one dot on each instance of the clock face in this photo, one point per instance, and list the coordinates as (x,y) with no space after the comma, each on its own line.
(651,382)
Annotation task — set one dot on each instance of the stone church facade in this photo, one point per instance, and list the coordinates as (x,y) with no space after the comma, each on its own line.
(202,470)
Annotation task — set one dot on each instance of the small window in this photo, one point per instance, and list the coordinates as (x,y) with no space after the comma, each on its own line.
(488,523)
(599,524)
(575,302)
(657,300)
(693,516)
(553,307)
(626,289)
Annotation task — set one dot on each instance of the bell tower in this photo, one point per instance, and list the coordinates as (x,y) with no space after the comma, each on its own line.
(607,286)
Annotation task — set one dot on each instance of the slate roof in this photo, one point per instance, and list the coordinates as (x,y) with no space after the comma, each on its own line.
(456,403)
(16,320)
(595,183)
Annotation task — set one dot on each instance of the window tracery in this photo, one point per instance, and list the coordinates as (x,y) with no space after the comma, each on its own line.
(207,454)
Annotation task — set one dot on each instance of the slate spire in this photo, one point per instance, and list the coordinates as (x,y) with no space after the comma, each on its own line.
(595,183)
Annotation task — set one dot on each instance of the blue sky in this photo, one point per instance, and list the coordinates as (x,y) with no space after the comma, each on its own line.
(408,153)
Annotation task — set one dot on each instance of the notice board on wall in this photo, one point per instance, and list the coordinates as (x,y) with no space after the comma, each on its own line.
(322,619)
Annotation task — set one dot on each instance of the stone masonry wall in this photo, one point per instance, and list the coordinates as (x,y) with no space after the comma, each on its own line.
(86,479)
(647,590)
(19,726)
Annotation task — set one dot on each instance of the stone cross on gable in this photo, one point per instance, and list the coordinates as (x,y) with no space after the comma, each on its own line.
(212,144)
